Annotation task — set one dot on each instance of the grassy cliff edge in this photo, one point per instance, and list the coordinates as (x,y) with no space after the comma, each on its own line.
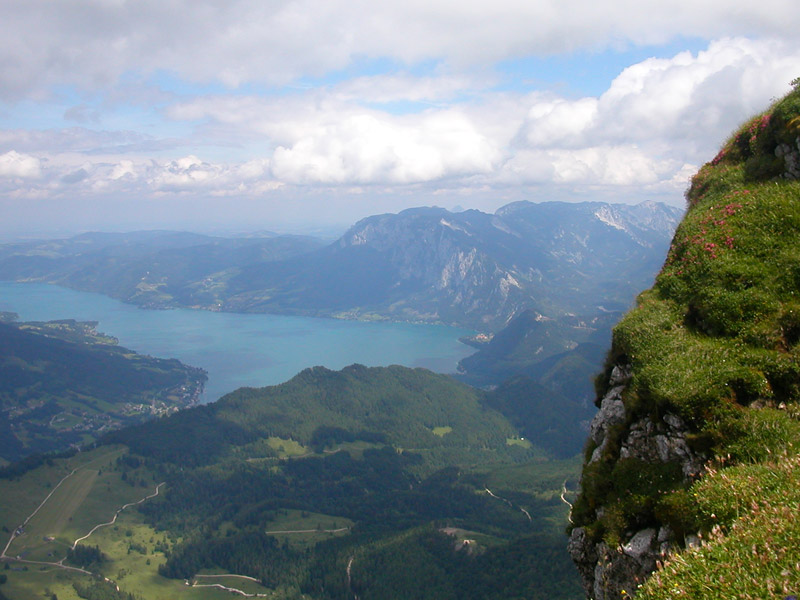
(716,343)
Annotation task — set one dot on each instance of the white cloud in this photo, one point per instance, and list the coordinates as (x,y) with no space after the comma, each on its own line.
(686,95)
(377,89)
(642,136)
(557,122)
(656,117)
(14,164)
(365,148)
(93,43)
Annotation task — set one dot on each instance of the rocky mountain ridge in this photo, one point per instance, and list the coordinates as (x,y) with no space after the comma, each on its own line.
(482,270)
(608,571)
(426,264)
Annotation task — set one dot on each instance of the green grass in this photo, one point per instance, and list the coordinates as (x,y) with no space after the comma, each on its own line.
(543,479)
(519,441)
(20,497)
(287,448)
(307,528)
(53,518)
(751,545)
(85,498)
(717,341)
(442,431)
(91,496)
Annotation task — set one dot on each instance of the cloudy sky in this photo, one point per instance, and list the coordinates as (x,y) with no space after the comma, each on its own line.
(301,114)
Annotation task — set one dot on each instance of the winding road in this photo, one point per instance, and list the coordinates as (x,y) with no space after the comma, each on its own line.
(116,514)
(60,564)
(525,512)
(565,501)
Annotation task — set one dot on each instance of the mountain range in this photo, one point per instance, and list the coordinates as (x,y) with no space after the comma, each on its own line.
(375,482)
(427,265)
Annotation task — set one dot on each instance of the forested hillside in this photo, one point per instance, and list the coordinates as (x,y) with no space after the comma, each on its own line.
(377,482)
(63,384)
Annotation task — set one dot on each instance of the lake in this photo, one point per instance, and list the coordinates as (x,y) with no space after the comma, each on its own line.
(242,349)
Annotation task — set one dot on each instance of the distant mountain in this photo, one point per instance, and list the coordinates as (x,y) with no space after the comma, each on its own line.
(525,346)
(546,417)
(62,383)
(470,268)
(444,421)
(153,269)
(543,372)
(425,264)
(383,482)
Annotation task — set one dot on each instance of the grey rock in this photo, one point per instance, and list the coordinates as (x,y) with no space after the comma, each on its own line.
(620,375)
(612,412)
(664,534)
(584,555)
(607,571)
(641,544)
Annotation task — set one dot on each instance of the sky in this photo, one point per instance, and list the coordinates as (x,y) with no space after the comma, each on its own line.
(305,115)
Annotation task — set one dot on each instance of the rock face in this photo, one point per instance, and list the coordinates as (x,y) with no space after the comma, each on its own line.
(482,270)
(607,571)
(791,159)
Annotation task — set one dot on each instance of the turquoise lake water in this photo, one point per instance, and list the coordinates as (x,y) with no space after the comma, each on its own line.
(243,350)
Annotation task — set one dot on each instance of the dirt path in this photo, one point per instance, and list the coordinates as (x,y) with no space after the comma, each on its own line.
(340,530)
(60,564)
(519,508)
(348,571)
(565,501)
(116,514)
(228,589)
(38,508)
(229,575)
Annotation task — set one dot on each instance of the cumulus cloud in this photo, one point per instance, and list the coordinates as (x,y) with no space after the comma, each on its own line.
(363,148)
(14,164)
(645,134)
(657,119)
(672,98)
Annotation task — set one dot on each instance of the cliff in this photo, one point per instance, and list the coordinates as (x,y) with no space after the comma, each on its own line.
(691,467)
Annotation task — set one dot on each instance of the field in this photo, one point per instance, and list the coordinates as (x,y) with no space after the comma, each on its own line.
(44,512)
(304,529)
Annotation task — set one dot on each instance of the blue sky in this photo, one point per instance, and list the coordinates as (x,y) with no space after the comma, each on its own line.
(305,115)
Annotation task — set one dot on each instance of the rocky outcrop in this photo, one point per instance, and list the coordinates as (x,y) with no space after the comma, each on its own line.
(791,159)
(607,571)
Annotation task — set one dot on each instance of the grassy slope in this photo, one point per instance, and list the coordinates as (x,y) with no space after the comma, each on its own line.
(101,484)
(88,497)
(716,340)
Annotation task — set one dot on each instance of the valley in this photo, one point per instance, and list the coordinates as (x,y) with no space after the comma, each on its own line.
(368,481)
(149,553)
